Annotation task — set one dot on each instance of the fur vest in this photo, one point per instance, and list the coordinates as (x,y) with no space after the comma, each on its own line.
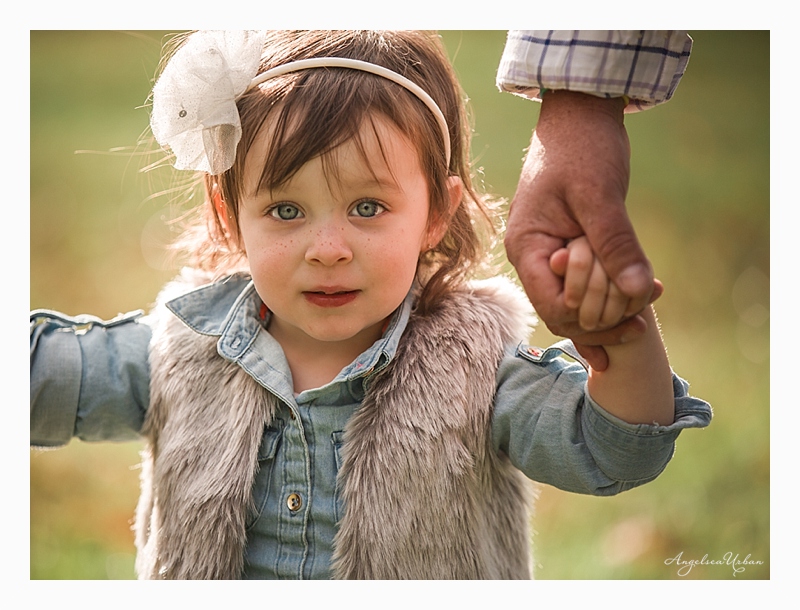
(425,495)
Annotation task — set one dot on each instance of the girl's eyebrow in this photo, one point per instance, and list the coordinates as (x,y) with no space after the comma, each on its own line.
(339,183)
(374,181)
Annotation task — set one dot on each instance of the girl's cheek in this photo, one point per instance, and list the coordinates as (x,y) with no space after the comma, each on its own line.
(280,249)
(268,244)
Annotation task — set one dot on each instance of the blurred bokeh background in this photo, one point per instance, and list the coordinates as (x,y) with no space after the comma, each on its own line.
(699,199)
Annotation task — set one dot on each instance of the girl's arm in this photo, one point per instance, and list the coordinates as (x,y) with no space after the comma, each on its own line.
(89,378)
(637,385)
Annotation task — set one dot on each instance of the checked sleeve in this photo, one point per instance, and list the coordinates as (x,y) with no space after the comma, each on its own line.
(644,65)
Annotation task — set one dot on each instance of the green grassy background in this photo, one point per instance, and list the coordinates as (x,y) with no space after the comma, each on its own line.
(699,199)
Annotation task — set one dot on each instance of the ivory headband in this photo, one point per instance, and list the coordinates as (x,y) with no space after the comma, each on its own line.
(364,66)
(194,100)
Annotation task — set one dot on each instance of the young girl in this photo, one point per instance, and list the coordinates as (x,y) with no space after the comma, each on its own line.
(327,391)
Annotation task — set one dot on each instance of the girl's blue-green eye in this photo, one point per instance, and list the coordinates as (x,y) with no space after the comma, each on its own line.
(367,208)
(285,211)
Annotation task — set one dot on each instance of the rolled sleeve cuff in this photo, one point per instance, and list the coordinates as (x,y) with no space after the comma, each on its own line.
(644,65)
(637,453)
(89,378)
(54,396)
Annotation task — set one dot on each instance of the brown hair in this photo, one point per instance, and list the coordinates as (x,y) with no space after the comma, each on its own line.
(312,112)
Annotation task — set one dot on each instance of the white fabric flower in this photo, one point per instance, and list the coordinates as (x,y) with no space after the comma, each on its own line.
(194,100)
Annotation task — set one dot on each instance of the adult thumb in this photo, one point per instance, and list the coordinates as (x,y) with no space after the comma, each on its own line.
(615,243)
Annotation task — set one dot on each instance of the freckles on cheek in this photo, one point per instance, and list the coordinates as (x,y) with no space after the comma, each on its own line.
(278,247)
(269,253)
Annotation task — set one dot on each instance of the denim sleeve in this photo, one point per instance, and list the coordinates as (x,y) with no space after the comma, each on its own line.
(89,378)
(552,430)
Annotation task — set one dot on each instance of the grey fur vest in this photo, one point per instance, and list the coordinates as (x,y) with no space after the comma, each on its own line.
(425,495)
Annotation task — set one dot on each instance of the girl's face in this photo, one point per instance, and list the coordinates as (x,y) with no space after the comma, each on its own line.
(333,254)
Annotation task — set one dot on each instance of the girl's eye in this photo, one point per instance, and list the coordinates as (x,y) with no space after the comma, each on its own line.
(367,208)
(285,211)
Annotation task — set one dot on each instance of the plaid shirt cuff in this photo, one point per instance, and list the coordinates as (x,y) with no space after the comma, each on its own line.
(645,65)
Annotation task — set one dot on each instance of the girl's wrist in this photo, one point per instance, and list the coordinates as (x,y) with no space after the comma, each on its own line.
(643,354)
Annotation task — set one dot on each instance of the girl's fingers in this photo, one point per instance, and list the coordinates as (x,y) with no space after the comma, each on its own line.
(614,310)
(579,270)
(594,299)
(587,287)
(558,262)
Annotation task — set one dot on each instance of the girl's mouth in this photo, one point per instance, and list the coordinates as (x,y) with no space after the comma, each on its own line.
(331,299)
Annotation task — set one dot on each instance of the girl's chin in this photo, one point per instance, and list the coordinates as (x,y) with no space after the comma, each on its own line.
(336,332)
(344,336)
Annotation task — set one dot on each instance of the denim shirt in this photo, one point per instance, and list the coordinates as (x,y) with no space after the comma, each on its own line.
(90,379)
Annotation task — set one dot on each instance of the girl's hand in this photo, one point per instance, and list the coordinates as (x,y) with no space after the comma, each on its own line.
(587,287)
(634,382)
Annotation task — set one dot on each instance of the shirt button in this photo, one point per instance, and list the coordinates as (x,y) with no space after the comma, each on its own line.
(294,502)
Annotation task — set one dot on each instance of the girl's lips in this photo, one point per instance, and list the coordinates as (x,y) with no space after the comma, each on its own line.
(331,299)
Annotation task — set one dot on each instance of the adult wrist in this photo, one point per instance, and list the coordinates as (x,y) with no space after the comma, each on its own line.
(563,100)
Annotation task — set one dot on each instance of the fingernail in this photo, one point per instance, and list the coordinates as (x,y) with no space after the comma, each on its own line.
(635,280)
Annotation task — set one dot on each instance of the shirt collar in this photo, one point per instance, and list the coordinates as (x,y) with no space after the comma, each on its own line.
(229,308)
(206,309)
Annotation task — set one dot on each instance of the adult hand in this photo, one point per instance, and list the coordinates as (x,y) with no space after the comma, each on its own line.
(574,182)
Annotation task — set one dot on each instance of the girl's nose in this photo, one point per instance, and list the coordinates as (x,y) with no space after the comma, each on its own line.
(329,247)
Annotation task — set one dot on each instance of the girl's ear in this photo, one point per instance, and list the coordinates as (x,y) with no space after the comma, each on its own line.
(439,224)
